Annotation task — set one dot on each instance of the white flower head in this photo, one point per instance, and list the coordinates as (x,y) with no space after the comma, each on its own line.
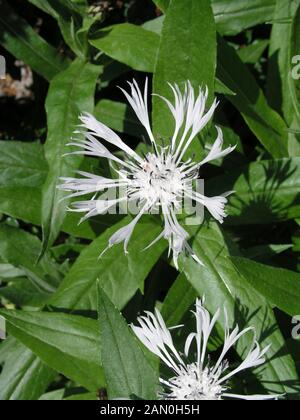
(158,181)
(200,379)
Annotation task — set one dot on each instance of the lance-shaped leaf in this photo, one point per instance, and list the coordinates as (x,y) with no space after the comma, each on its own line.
(294,85)
(70,94)
(69,344)
(279,57)
(265,123)
(181,296)
(24,376)
(45,6)
(295,59)
(23,171)
(19,38)
(21,249)
(139,43)
(120,43)
(234,16)
(127,371)
(187,51)
(279,286)
(281,85)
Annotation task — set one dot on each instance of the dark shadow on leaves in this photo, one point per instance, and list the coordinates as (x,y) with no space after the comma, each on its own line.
(264,206)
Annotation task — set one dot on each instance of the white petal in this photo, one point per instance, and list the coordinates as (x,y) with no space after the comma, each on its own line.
(139,104)
(92,147)
(199,121)
(188,343)
(90,184)
(215,205)
(177,237)
(254,358)
(177,110)
(124,234)
(155,335)
(216,151)
(94,207)
(230,340)
(100,130)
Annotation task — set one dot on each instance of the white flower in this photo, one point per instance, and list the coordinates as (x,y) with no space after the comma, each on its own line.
(202,379)
(157,181)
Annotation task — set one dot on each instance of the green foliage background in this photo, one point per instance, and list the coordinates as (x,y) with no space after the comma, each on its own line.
(66,336)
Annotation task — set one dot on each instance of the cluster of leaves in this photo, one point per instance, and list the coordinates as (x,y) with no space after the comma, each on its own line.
(66,336)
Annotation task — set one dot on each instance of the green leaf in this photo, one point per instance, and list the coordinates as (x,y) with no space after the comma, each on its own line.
(69,27)
(127,371)
(294,84)
(23,170)
(23,377)
(265,123)
(70,94)
(129,44)
(265,191)
(119,117)
(67,6)
(21,249)
(22,292)
(188,35)
(223,286)
(73,21)
(121,275)
(22,164)
(8,271)
(69,344)
(234,16)
(87,231)
(251,54)
(279,286)
(60,7)
(18,37)
(178,301)
(283,47)
(45,6)
(119,43)
(280,60)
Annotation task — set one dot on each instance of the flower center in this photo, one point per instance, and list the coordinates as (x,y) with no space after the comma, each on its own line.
(160,181)
(195,384)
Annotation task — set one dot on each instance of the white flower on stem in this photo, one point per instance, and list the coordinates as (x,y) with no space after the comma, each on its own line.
(201,379)
(158,181)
